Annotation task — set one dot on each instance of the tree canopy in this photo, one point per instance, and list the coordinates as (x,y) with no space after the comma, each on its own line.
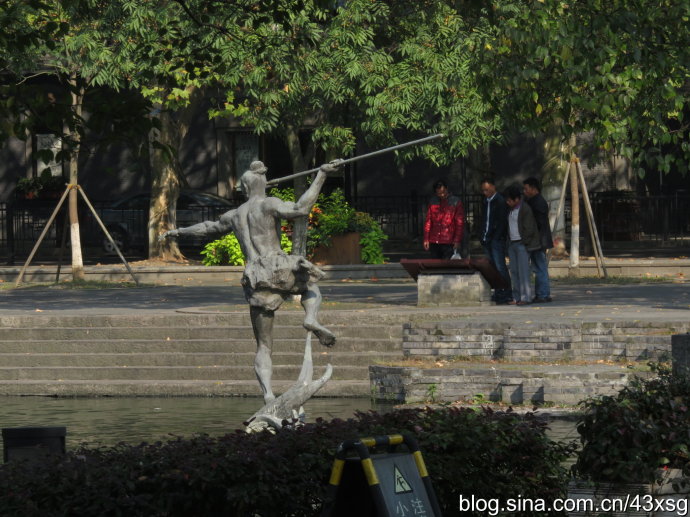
(617,68)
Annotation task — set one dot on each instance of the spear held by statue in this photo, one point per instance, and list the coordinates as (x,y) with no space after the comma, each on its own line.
(362,157)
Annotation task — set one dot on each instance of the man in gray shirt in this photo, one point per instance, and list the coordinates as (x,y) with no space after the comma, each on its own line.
(523,237)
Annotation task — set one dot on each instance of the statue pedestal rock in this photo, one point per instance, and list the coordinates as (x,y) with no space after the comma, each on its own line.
(288,406)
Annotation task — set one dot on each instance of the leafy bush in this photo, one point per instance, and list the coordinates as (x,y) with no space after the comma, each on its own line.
(483,453)
(227,251)
(645,427)
(331,215)
(43,183)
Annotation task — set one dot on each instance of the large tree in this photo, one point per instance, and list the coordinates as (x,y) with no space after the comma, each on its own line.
(348,70)
(617,68)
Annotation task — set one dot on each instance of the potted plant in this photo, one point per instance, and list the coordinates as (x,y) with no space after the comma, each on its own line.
(44,186)
(635,444)
(28,188)
(338,234)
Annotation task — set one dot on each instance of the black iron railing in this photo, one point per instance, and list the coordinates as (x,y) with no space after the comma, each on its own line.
(620,217)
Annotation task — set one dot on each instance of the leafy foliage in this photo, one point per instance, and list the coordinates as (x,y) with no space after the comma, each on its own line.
(44,183)
(619,69)
(645,427)
(227,251)
(483,453)
(331,215)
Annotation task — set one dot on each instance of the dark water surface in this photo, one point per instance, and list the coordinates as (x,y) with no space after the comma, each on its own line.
(107,421)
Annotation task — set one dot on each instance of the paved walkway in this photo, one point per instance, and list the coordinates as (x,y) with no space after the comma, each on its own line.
(591,302)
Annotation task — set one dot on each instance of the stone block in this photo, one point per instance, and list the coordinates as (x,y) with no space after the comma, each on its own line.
(452,290)
(511,393)
(680,354)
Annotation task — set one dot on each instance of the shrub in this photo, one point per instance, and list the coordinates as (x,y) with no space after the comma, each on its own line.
(483,453)
(227,251)
(331,215)
(645,427)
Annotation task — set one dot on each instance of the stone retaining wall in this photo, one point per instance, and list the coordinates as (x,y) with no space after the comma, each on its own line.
(577,340)
(510,384)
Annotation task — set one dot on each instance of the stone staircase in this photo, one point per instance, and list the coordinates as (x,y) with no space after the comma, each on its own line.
(184,354)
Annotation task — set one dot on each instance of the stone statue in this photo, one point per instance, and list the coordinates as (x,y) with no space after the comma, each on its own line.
(271,276)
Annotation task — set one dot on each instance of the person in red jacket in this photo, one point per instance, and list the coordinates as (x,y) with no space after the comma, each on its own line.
(444,224)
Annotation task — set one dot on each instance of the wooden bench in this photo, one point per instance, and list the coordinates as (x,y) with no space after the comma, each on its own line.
(454,282)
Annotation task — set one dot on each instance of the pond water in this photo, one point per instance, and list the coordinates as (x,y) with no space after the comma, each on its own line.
(107,421)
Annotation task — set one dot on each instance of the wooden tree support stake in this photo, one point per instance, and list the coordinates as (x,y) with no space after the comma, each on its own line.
(50,221)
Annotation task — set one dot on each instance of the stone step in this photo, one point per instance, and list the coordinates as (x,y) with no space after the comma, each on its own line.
(192,359)
(178,332)
(288,318)
(155,373)
(223,345)
(162,388)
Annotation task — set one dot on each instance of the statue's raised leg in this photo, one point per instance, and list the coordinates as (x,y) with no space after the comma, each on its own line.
(262,323)
(311,301)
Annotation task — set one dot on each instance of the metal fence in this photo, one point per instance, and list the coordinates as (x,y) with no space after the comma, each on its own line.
(402,217)
(620,217)
(628,217)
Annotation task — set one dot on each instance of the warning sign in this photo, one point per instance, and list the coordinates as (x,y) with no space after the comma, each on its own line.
(401,484)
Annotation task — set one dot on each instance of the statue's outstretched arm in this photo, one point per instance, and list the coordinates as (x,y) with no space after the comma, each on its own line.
(204,229)
(306,201)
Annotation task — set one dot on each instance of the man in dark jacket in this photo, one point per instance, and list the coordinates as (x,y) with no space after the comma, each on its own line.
(540,209)
(492,234)
(444,224)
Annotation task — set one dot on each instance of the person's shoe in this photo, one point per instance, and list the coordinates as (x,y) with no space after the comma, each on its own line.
(522,303)
(537,299)
(511,302)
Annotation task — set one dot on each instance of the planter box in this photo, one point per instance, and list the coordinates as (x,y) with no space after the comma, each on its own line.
(344,249)
(644,499)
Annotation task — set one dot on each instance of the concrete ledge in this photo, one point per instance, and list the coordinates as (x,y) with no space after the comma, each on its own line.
(202,275)
(576,340)
(528,384)
(627,267)
(191,275)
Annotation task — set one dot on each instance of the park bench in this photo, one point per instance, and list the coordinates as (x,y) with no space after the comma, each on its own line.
(453,283)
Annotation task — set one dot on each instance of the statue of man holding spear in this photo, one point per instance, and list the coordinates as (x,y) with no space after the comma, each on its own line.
(270,275)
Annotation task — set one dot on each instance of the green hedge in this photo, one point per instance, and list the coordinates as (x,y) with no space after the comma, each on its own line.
(626,438)
(483,453)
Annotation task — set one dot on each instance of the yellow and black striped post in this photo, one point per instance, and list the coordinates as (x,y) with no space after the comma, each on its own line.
(362,446)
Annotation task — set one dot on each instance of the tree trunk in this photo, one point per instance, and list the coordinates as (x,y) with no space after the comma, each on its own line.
(299,163)
(77,95)
(167,178)
(165,190)
(553,173)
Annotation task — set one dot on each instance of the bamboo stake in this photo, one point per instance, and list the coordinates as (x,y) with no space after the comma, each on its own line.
(574,218)
(107,234)
(596,243)
(50,221)
(42,236)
